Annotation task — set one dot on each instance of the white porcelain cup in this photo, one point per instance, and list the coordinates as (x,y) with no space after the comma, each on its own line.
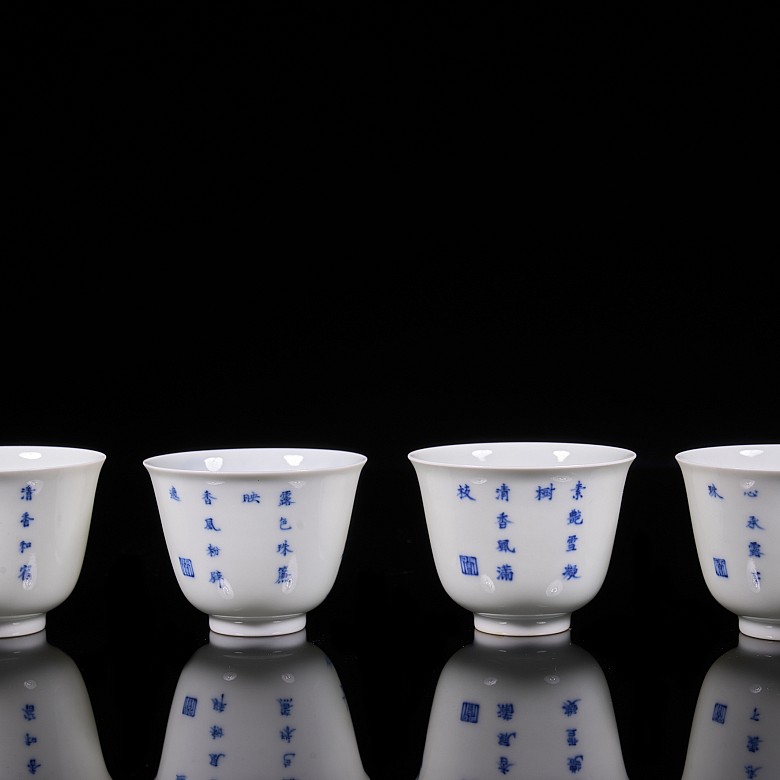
(47,727)
(733,496)
(260,707)
(46,500)
(522,707)
(256,535)
(522,532)
(737,717)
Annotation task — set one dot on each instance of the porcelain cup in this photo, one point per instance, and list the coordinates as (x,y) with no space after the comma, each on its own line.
(256,535)
(46,500)
(522,532)
(737,716)
(260,707)
(522,707)
(47,726)
(733,494)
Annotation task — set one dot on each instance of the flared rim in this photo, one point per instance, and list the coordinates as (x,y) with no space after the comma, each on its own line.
(35,457)
(733,457)
(248,461)
(522,455)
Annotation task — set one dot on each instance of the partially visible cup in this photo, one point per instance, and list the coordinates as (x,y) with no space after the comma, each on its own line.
(737,717)
(256,535)
(522,532)
(46,500)
(733,494)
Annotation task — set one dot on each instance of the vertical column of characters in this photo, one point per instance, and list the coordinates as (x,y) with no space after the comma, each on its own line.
(754,530)
(575,519)
(285,572)
(29,715)
(286,728)
(505,712)
(27,569)
(504,546)
(571,708)
(720,564)
(469,564)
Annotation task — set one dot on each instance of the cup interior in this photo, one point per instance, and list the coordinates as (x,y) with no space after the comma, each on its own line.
(262,460)
(521,455)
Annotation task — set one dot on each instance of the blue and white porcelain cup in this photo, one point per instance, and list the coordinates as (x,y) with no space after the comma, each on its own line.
(46,500)
(256,535)
(733,494)
(522,532)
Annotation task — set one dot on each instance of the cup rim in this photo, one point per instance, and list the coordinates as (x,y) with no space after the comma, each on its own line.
(456,455)
(194,462)
(733,457)
(38,457)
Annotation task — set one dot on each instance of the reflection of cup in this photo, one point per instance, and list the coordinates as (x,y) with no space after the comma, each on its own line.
(522,532)
(46,500)
(734,733)
(47,727)
(526,708)
(247,708)
(256,536)
(733,496)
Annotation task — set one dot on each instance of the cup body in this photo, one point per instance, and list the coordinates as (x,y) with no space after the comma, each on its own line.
(522,532)
(256,535)
(46,501)
(733,494)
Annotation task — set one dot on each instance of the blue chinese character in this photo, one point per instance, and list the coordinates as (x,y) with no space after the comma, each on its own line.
(502,492)
(570,707)
(545,492)
(464,491)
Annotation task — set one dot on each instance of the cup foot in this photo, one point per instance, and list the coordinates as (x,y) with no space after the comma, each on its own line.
(530,625)
(22,625)
(285,624)
(761,629)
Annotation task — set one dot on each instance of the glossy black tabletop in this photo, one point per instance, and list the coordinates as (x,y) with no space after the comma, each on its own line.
(390,630)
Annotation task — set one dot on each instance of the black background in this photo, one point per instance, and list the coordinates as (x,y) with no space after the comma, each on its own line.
(378,228)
